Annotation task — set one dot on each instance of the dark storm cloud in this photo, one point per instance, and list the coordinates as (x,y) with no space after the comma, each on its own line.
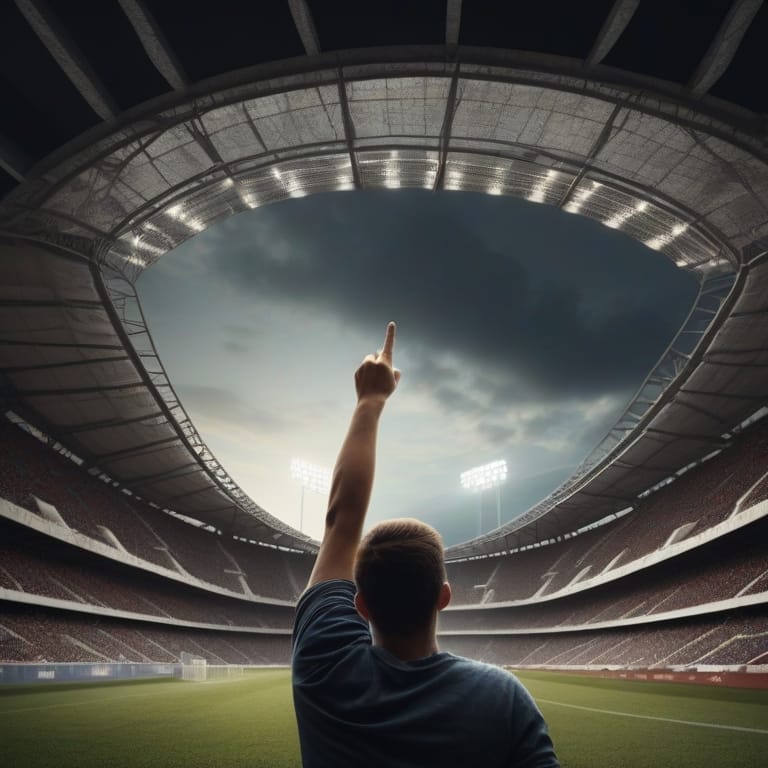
(557,305)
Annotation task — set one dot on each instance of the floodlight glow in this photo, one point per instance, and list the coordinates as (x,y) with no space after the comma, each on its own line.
(581,197)
(136,260)
(484,477)
(313,477)
(657,243)
(622,217)
(539,192)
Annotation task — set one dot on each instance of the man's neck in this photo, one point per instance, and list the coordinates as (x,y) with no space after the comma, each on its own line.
(409,647)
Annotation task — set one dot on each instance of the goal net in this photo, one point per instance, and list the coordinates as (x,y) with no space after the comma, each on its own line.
(200,671)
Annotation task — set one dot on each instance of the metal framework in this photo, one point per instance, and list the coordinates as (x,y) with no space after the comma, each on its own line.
(684,174)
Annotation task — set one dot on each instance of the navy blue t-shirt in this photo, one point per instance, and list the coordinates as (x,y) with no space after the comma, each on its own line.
(358,705)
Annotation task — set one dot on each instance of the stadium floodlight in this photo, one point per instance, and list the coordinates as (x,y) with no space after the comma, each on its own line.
(484,478)
(313,478)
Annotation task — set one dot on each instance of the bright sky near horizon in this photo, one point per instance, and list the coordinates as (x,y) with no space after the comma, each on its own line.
(522,333)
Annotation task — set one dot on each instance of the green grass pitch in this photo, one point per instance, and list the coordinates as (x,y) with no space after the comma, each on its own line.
(249,722)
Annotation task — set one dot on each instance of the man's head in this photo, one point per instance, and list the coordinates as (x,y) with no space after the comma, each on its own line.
(400,576)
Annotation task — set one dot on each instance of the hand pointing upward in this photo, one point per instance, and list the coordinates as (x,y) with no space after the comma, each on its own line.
(376,377)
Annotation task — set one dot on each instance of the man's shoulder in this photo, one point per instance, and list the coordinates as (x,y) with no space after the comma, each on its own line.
(326,625)
(328,589)
(480,675)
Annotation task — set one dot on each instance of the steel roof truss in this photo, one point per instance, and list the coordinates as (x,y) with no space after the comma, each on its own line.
(305,26)
(68,56)
(724,46)
(155,43)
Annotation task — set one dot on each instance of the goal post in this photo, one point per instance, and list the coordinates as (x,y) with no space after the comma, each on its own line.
(194,670)
(198,670)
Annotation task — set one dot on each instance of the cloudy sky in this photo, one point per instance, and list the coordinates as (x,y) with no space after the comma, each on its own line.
(522,333)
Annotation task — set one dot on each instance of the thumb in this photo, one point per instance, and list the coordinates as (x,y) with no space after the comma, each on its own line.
(397,373)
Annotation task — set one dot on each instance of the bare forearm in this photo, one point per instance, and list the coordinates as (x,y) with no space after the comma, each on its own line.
(354,470)
(375,380)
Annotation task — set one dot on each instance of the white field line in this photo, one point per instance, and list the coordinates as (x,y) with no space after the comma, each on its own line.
(651,717)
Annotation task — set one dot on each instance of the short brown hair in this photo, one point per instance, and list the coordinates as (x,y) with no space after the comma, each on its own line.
(399,571)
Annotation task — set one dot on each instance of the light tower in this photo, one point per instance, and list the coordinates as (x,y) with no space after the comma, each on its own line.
(483,478)
(312,477)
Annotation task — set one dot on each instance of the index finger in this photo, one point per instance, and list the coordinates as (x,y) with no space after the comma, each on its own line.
(389,343)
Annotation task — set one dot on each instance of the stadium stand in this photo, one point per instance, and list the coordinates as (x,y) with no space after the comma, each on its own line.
(549,627)
(100,511)
(40,566)
(34,635)
(724,569)
(699,499)
(731,639)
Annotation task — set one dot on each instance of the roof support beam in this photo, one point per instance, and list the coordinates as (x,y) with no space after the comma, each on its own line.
(452,22)
(155,43)
(616,22)
(600,142)
(53,304)
(170,474)
(77,390)
(714,439)
(703,411)
(177,496)
(723,48)
(92,426)
(68,56)
(136,450)
(726,364)
(445,130)
(57,344)
(724,395)
(65,364)
(13,160)
(305,25)
(349,129)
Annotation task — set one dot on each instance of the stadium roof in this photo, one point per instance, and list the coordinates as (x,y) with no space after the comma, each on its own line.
(641,115)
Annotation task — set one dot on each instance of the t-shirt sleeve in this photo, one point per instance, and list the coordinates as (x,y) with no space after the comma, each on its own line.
(326,623)
(533,747)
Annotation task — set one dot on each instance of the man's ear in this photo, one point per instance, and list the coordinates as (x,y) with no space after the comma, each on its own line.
(444,597)
(361,607)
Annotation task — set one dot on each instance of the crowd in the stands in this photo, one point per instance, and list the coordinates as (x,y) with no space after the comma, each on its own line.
(38,566)
(700,498)
(30,635)
(34,565)
(727,568)
(98,510)
(716,641)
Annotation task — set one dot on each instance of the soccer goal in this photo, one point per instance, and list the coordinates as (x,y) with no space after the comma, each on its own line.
(199,670)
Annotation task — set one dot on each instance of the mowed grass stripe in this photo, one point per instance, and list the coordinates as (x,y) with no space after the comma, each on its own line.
(228,725)
(155,689)
(652,717)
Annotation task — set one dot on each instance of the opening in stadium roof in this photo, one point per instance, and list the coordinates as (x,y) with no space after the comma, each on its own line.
(669,148)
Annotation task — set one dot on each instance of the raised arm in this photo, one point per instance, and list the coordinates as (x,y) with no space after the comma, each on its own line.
(375,380)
